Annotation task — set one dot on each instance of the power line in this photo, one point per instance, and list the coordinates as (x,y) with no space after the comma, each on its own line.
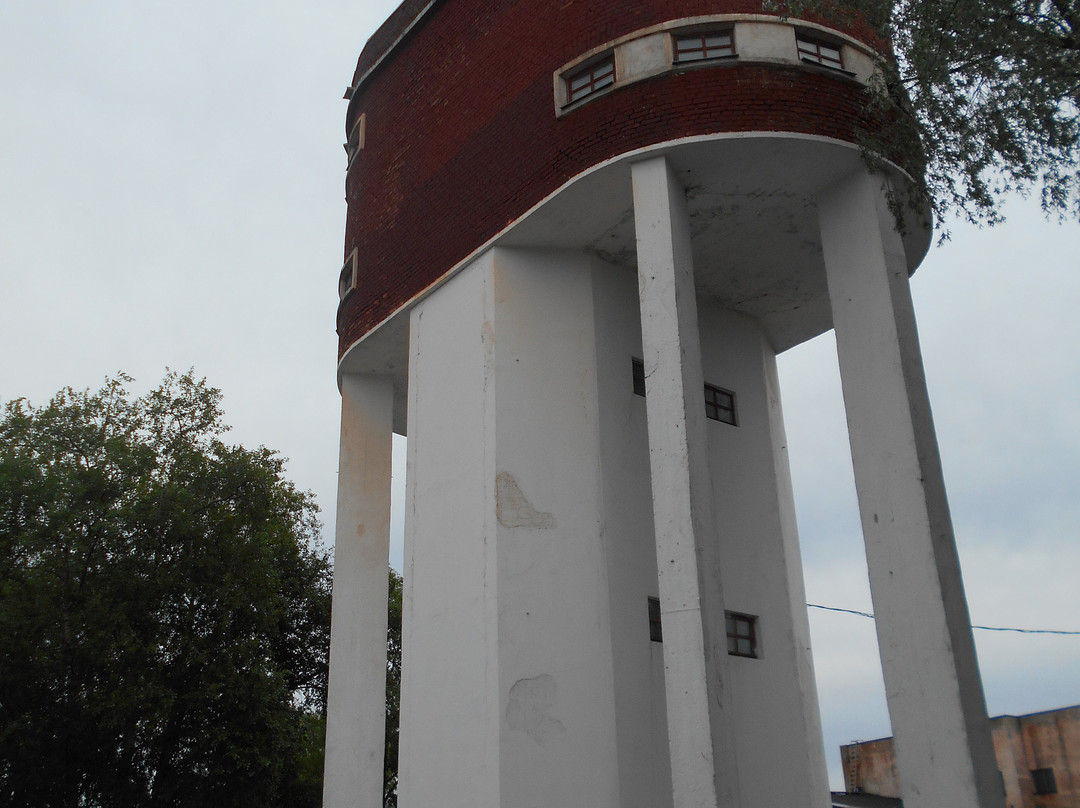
(982,628)
(1026,630)
(837,609)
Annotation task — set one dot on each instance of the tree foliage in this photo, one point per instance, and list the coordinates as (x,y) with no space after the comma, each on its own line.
(164,608)
(393,690)
(991,89)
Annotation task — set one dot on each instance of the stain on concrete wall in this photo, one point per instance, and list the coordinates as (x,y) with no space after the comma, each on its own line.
(513,508)
(529,708)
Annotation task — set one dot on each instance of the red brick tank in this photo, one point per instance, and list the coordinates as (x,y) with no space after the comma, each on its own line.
(461,135)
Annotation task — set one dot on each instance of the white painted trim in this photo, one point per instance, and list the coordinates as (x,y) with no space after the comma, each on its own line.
(785,55)
(352,260)
(359,129)
(710,19)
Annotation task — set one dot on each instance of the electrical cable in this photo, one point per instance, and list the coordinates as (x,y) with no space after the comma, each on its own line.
(982,628)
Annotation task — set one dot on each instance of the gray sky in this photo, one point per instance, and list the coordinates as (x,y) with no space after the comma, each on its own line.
(171,194)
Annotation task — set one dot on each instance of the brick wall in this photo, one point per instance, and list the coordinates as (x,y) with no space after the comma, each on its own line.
(462,137)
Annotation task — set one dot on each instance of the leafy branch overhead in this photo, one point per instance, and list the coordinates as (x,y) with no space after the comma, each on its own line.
(991,88)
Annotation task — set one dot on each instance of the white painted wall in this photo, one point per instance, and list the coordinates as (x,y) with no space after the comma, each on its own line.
(507,694)
(775,701)
(774,696)
(766,42)
(528,675)
(450,692)
(558,734)
(630,546)
(642,57)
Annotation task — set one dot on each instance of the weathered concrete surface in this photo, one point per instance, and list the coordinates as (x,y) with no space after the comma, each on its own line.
(529,677)
(356,699)
(450,690)
(507,693)
(932,680)
(700,723)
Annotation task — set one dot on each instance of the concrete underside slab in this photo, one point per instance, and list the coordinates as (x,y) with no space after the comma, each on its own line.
(753,218)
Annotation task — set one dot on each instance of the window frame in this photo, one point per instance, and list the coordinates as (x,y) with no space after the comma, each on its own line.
(656,626)
(354,143)
(808,49)
(713,408)
(731,627)
(592,87)
(703,34)
(1043,781)
(638,374)
(347,275)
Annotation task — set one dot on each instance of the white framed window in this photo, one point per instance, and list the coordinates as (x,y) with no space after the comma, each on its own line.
(818,51)
(347,276)
(698,46)
(355,142)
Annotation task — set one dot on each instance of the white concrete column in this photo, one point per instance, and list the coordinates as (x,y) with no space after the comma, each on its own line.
(451,715)
(356,709)
(944,753)
(691,605)
(810,729)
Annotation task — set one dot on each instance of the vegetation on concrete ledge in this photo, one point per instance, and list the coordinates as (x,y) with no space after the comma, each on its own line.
(164,608)
(992,90)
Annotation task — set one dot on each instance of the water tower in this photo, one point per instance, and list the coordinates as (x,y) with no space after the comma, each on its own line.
(578,235)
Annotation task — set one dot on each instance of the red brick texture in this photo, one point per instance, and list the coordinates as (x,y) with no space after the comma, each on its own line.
(462,137)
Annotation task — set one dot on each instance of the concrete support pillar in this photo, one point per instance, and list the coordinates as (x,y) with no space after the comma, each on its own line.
(451,693)
(691,605)
(356,710)
(943,747)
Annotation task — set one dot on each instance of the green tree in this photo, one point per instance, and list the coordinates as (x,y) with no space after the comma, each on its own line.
(393,690)
(989,88)
(164,608)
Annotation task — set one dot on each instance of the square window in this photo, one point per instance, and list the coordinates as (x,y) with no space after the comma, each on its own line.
(819,51)
(720,404)
(1044,781)
(656,631)
(639,377)
(741,634)
(703,45)
(590,79)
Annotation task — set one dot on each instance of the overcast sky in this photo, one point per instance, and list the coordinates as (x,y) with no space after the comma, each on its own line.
(171,194)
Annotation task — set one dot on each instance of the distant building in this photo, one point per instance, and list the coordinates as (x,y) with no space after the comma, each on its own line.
(865,801)
(1038,756)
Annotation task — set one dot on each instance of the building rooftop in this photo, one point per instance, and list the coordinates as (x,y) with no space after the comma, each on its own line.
(864,801)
